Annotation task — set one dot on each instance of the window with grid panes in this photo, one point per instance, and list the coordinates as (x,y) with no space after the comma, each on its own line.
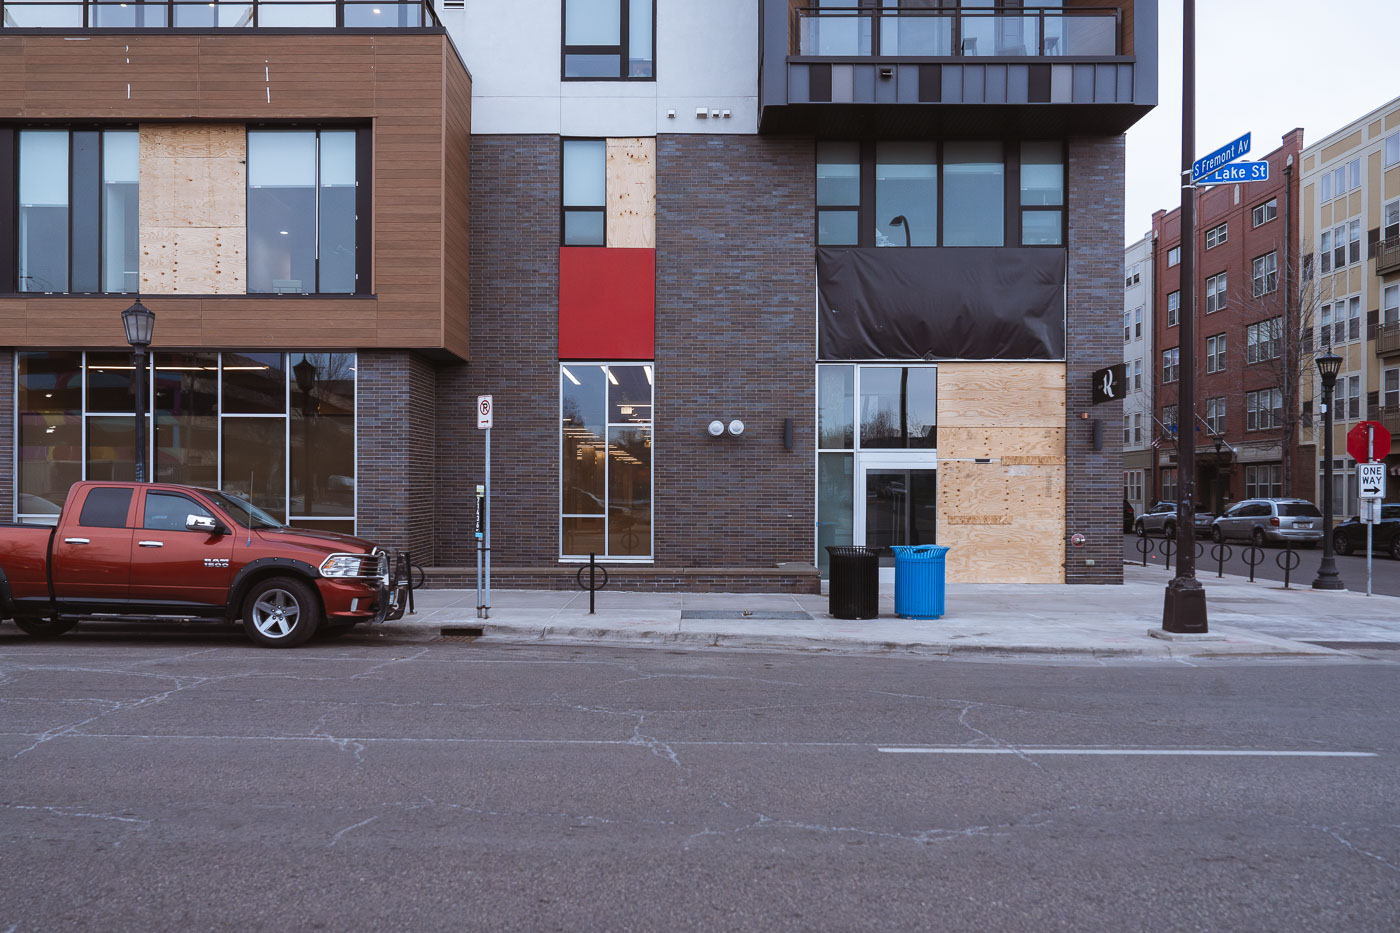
(1215,415)
(1215,353)
(1215,293)
(1265,274)
(1324,252)
(1171,361)
(1264,340)
(1217,235)
(1264,212)
(1353,397)
(1173,308)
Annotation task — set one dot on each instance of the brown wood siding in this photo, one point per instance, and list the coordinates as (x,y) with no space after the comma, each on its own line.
(411,88)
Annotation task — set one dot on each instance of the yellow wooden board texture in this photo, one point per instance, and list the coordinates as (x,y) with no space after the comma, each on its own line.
(631,214)
(1005,520)
(193,209)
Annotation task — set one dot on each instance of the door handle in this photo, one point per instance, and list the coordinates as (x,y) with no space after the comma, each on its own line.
(76,541)
(150,543)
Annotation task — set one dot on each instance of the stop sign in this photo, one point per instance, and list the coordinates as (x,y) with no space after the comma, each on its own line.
(1380,442)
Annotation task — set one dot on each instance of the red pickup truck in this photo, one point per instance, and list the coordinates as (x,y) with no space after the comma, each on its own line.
(152,550)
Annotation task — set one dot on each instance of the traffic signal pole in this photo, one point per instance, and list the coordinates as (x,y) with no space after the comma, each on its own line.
(1184,608)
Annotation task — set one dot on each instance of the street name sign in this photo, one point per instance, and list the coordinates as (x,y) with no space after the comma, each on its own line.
(1222,156)
(1370,480)
(1239,171)
(484,414)
(1369,440)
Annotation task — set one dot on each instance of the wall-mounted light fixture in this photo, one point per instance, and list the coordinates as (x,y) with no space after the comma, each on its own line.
(736,427)
(716,428)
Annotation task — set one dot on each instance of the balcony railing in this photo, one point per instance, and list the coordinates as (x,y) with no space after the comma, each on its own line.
(1388,339)
(1390,418)
(1388,255)
(999,32)
(216,14)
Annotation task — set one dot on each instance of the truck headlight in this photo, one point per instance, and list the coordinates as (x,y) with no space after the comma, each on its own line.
(343,565)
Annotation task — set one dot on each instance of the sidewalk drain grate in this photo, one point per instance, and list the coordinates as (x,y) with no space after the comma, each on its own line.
(468,631)
(1356,645)
(784,615)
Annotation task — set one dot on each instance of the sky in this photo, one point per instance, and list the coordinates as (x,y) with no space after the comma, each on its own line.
(1262,67)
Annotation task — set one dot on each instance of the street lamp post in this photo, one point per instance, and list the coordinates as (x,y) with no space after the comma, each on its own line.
(140,324)
(902,221)
(1328,365)
(305,375)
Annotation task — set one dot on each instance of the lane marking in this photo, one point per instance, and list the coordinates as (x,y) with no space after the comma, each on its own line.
(1202,752)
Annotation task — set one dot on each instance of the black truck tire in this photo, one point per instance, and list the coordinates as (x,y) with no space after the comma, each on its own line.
(281,612)
(46,628)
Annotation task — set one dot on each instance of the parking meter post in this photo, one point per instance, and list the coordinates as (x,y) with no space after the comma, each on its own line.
(487,510)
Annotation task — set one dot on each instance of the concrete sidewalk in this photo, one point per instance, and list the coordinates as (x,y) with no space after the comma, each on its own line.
(1246,620)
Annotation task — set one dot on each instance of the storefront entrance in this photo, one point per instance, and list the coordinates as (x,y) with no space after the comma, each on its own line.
(896,500)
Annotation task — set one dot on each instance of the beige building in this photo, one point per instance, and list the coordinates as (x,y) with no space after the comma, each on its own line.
(1350,296)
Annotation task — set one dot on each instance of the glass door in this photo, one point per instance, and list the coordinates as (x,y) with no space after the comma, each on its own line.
(896,502)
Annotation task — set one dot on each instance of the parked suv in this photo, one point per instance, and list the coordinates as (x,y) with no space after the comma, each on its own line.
(1295,521)
(1161,520)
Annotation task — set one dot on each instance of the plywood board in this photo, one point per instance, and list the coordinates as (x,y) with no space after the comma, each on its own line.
(193,209)
(1002,522)
(631,193)
(1001,394)
(1044,445)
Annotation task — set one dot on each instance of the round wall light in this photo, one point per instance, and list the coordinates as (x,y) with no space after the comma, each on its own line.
(716,428)
(736,427)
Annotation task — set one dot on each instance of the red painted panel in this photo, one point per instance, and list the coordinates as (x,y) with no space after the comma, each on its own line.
(607,303)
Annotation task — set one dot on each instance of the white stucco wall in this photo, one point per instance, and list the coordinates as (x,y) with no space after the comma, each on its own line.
(706,57)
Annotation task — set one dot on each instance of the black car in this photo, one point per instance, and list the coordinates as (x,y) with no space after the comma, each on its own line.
(1350,535)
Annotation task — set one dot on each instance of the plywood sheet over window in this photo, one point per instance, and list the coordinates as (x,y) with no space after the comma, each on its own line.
(631,209)
(193,209)
(1004,520)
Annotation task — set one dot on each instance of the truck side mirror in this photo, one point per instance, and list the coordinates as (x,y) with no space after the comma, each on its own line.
(203,523)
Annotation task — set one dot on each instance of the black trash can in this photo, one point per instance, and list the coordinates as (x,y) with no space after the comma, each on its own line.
(854,589)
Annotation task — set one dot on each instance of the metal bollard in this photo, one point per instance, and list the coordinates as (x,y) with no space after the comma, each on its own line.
(1287,560)
(1221,553)
(1253,556)
(1144,546)
(592,586)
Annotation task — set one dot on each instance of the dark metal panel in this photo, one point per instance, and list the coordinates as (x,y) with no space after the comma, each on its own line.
(930,84)
(84,212)
(886,88)
(364,212)
(971,303)
(819,78)
(1145,52)
(1038,86)
(974,84)
(1125,84)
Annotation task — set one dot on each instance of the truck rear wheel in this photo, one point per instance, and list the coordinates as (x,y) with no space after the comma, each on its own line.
(46,628)
(281,612)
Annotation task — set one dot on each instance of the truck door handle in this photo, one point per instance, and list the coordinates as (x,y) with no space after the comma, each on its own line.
(76,541)
(150,543)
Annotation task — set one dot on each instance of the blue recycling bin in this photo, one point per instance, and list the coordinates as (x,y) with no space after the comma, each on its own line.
(919,580)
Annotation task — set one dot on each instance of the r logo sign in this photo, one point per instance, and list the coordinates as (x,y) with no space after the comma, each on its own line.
(1111,383)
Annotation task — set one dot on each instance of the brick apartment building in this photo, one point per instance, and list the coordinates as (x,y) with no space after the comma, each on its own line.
(866,241)
(1251,350)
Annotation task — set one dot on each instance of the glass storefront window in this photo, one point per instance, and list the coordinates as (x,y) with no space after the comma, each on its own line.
(43,211)
(898,407)
(323,435)
(974,193)
(75,416)
(836,407)
(605,460)
(835,503)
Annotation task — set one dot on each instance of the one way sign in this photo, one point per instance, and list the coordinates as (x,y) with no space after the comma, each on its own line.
(1370,479)
(1111,384)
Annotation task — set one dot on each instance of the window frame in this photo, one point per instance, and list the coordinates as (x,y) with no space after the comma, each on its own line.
(1215,415)
(565,210)
(1174,311)
(621,49)
(1263,213)
(1171,365)
(1217,287)
(364,223)
(1215,353)
(1267,282)
(1173,256)
(1218,235)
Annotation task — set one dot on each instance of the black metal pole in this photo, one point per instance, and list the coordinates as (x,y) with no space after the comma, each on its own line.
(139,358)
(1184,608)
(1290,418)
(1327,576)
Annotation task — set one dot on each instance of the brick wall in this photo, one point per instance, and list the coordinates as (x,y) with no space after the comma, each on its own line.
(395,418)
(7,435)
(514,257)
(1094,479)
(735,338)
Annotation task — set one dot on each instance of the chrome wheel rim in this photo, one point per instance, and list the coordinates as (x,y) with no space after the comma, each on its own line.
(275,613)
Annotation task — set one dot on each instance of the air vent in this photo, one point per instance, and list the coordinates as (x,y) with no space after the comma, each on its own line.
(453,4)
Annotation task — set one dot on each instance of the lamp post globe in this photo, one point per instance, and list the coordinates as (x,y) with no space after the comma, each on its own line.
(139,322)
(1328,365)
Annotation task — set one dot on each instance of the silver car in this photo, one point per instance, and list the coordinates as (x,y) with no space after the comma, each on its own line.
(1161,520)
(1293,521)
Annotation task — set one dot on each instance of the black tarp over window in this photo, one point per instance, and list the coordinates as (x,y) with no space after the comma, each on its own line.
(965,303)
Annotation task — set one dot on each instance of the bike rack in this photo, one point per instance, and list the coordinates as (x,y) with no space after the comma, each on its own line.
(592,586)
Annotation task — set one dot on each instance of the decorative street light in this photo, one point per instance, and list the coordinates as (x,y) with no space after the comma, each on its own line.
(902,221)
(305,375)
(1328,365)
(140,324)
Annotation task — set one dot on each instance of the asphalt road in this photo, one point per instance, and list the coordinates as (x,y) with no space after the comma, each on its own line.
(1385,573)
(192,782)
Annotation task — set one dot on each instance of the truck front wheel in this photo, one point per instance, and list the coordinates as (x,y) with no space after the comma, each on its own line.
(281,612)
(46,628)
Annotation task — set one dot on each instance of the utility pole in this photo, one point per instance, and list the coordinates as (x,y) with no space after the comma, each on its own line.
(1184,608)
